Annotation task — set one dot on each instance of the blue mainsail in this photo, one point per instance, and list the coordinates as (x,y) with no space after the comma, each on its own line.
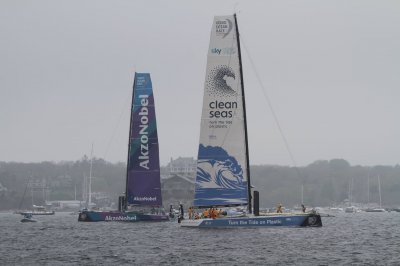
(143,185)
(221,178)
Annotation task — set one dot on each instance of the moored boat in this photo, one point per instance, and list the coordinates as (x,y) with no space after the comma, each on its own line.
(28,219)
(351,209)
(37,210)
(375,210)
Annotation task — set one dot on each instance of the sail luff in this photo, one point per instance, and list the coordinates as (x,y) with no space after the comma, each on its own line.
(129,142)
(244,116)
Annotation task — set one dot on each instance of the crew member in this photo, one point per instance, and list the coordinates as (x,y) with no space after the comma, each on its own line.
(279,209)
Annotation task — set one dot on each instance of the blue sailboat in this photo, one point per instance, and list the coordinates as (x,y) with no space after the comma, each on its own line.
(223,186)
(142,200)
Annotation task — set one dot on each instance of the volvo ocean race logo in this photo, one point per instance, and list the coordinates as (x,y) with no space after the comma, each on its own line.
(223,27)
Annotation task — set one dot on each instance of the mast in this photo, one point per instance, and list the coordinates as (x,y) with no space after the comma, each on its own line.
(23,196)
(84,190)
(90,177)
(349,192)
(379,187)
(302,194)
(368,188)
(129,145)
(244,117)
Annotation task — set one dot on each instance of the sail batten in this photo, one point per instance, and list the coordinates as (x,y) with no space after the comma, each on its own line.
(222,174)
(143,169)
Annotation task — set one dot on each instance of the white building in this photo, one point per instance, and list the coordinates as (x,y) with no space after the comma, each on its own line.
(183,166)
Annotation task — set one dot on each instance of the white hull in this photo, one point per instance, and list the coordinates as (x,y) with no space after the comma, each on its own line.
(375,210)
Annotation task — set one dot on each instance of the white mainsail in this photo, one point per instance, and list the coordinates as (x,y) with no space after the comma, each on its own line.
(221,178)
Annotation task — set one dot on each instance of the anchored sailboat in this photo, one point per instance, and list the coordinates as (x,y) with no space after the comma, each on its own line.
(223,169)
(142,200)
(379,209)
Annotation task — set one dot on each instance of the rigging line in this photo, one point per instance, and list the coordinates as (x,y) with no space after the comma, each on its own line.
(270,107)
(116,127)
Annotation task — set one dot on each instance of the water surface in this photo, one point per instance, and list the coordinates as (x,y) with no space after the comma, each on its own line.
(347,239)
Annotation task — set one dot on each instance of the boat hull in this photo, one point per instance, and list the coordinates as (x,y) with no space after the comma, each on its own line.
(117,216)
(37,213)
(28,220)
(375,210)
(310,220)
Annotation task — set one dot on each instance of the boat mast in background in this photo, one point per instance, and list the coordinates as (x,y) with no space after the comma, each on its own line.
(379,188)
(368,188)
(90,177)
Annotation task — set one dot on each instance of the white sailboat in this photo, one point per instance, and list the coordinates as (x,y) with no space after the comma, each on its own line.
(223,187)
(351,208)
(380,209)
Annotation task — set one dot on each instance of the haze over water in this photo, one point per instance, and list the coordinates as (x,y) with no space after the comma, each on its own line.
(330,69)
(347,239)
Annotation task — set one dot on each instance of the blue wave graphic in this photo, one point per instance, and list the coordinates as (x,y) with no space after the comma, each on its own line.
(219,179)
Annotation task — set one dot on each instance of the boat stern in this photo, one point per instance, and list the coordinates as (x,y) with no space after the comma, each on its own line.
(313,220)
(84,217)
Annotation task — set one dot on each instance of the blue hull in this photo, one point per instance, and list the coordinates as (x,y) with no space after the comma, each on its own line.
(117,216)
(311,220)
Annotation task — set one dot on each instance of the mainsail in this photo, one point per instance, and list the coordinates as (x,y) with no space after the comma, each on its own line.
(222,166)
(143,170)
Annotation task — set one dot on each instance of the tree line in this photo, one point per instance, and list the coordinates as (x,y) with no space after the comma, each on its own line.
(322,183)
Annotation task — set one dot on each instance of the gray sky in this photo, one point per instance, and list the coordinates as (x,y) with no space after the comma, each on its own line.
(330,68)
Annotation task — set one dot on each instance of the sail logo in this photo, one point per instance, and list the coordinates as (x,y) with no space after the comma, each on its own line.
(223,27)
(217,81)
(222,109)
(141,81)
(223,51)
(145,198)
(217,170)
(120,218)
(144,159)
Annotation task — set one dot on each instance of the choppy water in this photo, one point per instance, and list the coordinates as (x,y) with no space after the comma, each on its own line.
(347,239)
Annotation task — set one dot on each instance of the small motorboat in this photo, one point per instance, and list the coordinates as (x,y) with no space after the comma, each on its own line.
(28,218)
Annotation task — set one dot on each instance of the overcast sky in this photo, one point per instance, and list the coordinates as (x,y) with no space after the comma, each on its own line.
(330,68)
